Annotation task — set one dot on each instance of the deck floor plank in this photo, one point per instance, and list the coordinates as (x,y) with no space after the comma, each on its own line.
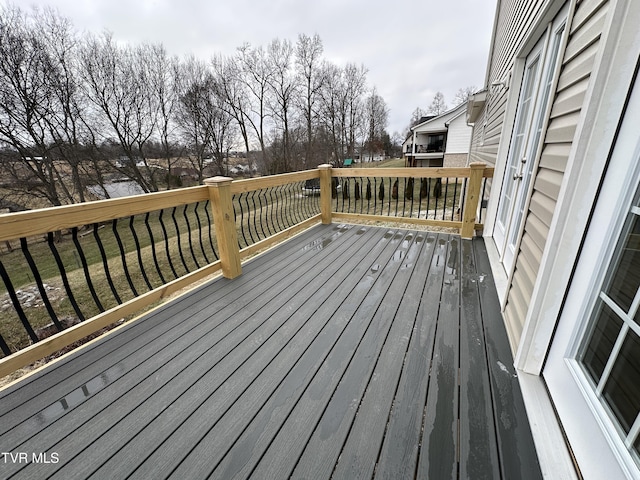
(517,452)
(438,456)
(329,434)
(399,452)
(302,394)
(120,346)
(171,378)
(154,417)
(346,352)
(478,448)
(362,447)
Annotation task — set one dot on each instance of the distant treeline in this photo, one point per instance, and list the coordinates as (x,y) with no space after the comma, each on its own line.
(77,109)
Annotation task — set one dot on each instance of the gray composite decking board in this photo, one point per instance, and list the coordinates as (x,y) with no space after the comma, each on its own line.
(478,449)
(326,358)
(104,415)
(165,457)
(327,354)
(183,383)
(438,456)
(399,452)
(112,351)
(326,443)
(135,360)
(360,451)
(518,458)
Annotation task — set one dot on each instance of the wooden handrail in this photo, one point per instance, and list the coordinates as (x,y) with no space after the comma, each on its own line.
(42,221)
(409,172)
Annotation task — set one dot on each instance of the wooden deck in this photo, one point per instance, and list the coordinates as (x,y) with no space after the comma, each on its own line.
(346,352)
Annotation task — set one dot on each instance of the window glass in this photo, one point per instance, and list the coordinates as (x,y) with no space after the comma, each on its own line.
(625,277)
(622,390)
(605,332)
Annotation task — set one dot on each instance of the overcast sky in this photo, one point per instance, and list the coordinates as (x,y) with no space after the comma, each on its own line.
(411,48)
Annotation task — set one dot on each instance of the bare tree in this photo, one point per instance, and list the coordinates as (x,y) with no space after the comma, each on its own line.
(309,66)
(438,105)
(163,85)
(117,81)
(333,110)
(463,94)
(283,88)
(256,74)
(27,99)
(204,121)
(377,115)
(235,95)
(355,82)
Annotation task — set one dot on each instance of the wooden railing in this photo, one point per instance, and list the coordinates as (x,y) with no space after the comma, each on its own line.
(111,259)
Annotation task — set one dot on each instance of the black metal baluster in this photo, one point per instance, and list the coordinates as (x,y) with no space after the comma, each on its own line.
(195,210)
(4,347)
(179,238)
(404,196)
(255,214)
(39,284)
(153,248)
(63,275)
(463,194)
(139,252)
(264,213)
(455,195)
(238,205)
(266,196)
(123,257)
(105,263)
(390,196)
(186,219)
(444,202)
(207,209)
(412,193)
(243,220)
(295,203)
(278,209)
(297,206)
(484,187)
(289,212)
(16,304)
(429,198)
(85,268)
(165,237)
(248,219)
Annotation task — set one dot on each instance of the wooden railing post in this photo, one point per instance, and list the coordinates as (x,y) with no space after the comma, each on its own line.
(325,193)
(471,200)
(225,225)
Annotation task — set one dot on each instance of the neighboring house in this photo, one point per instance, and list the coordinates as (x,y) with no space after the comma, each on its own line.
(439,141)
(558,118)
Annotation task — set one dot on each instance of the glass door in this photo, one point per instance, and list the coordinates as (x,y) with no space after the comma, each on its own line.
(541,66)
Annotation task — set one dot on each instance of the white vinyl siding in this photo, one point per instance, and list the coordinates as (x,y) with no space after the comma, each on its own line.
(578,63)
(458,136)
(514,21)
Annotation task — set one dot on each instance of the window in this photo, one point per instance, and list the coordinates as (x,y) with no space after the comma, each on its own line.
(610,354)
(435,143)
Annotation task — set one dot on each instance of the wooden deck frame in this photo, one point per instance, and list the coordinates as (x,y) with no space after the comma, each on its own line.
(219,191)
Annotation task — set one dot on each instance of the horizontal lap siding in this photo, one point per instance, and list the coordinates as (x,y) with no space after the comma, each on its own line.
(514,18)
(578,63)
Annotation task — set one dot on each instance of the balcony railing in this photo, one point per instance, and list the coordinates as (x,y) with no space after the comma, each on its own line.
(68,272)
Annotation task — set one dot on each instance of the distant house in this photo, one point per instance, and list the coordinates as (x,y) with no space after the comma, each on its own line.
(439,141)
(558,118)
